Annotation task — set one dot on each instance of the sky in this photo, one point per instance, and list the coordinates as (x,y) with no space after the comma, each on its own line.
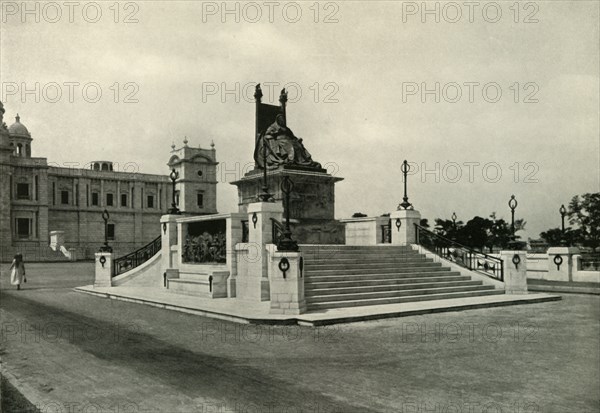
(490,100)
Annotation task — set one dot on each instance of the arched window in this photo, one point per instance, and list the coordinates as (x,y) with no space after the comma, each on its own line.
(105,167)
(96,166)
(19,149)
(27,151)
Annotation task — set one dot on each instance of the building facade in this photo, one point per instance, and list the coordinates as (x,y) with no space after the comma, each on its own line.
(37,198)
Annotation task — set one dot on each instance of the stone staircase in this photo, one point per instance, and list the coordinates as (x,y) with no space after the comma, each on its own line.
(338,276)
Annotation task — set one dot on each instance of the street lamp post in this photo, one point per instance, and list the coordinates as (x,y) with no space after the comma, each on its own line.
(563,213)
(105,247)
(513,243)
(512,204)
(454,226)
(174,210)
(405,204)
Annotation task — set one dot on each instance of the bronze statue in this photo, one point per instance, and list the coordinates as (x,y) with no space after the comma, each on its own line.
(283,147)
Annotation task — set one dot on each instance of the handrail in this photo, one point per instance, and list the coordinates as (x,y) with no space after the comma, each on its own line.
(276,231)
(460,254)
(136,258)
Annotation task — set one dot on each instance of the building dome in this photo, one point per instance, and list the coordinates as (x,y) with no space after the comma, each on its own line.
(18,129)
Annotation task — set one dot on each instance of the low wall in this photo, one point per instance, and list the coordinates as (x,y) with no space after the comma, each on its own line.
(539,265)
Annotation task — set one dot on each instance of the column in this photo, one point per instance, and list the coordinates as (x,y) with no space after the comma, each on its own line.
(403,226)
(515,271)
(287,281)
(104,269)
(561,263)
(255,285)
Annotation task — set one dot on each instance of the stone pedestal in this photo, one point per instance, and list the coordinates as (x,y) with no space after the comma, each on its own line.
(561,263)
(104,269)
(515,271)
(57,240)
(312,202)
(365,231)
(287,289)
(168,233)
(405,234)
(253,284)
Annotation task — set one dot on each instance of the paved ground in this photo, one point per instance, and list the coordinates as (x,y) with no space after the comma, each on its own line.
(83,353)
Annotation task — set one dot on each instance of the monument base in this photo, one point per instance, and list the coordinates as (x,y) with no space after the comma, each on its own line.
(312,202)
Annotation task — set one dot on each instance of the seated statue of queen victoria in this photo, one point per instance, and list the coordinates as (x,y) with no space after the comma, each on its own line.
(283,147)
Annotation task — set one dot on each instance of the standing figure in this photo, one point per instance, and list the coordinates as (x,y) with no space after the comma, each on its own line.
(17,271)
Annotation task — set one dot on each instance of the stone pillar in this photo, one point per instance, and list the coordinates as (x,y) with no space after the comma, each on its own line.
(406,234)
(287,290)
(168,234)
(560,263)
(259,235)
(515,271)
(104,269)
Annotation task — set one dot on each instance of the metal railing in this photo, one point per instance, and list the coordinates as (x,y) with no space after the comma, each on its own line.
(277,229)
(459,254)
(136,258)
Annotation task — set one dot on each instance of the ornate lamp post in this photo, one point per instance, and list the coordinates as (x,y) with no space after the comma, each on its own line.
(454,226)
(512,204)
(105,247)
(513,243)
(563,213)
(405,204)
(286,243)
(174,210)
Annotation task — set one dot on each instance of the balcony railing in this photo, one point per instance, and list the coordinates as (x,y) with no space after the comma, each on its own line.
(460,254)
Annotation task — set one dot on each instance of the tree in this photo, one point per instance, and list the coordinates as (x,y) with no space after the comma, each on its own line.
(554,237)
(500,233)
(584,212)
(475,233)
(448,229)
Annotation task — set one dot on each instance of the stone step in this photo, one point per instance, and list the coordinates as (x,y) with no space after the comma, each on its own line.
(386,247)
(316,253)
(350,270)
(367,265)
(353,262)
(388,288)
(366,277)
(396,300)
(311,285)
(394,294)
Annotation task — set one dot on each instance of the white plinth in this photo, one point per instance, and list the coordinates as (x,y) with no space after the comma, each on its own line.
(406,233)
(515,271)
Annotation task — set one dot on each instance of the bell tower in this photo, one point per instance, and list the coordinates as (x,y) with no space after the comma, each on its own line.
(196,185)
